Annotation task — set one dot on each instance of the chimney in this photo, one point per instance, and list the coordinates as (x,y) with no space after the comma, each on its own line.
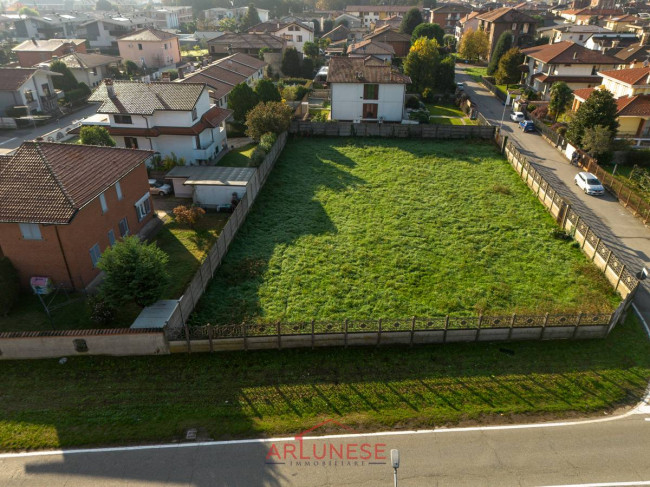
(34,41)
(109,87)
(181,75)
(166,77)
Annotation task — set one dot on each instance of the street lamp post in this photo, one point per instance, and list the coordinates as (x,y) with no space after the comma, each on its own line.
(394,460)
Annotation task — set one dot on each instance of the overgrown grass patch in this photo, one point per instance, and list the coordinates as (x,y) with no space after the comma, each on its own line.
(109,400)
(376,228)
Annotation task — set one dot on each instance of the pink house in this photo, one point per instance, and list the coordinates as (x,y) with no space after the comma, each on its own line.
(152,48)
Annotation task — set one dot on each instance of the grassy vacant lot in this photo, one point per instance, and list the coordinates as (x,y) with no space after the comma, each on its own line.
(107,400)
(623,175)
(373,228)
(239,157)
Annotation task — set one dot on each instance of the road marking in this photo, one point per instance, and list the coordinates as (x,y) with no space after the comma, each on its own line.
(7,141)
(606,484)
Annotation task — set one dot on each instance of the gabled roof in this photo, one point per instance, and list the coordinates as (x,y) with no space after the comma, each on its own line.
(451,8)
(49,45)
(634,76)
(360,70)
(137,98)
(633,106)
(13,78)
(505,14)
(583,93)
(635,52)
(249,41)
(388,34)
(371,47)
(148,34)
(82,60)
(271,27)
(579,29)
(469,17)
(568,52)
(44,182)
(338,33)
(379,8)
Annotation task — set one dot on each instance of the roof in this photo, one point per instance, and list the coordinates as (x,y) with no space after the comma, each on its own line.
(13,78)
(49,45)
(379,8)
(388,34)
(583,93)
(634,76)
(213,175)
(622,18)
(505,14)
(371,47)
(451,8)
(82,60)
(148,34)
(544,78)
(337,33)
(248,41)
(567,52)
(357,70)
(635,52)
(469,17)
(627,106)
(270,26)
(46,182)
(135,97)
(584,29)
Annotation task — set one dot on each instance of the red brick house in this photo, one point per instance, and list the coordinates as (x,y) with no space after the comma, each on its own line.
(32,52)
(496,22)
(61,205)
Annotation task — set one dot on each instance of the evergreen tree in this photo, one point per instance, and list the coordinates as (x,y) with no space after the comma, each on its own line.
(250,18)
(67,82)
(502,46)
(411,20)
(599,109)
(266,91)
(291,63)
(509,71)
(446,74)
(430,31)
(241,100)
(328,25)
(561,96)
(307,68)
(104,5)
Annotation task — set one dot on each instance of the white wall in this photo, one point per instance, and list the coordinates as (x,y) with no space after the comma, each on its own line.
(292,36)
(211,196)
(347,101)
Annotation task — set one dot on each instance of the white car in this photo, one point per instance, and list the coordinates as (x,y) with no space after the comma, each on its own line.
(589,183)
(156,187)
(517,117)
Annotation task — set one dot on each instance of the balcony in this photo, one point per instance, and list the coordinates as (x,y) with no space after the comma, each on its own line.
(206,152)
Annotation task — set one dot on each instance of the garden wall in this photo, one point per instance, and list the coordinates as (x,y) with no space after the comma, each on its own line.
(349,129)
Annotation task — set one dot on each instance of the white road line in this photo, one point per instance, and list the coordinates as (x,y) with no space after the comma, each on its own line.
(645,325)
(7,141)
(607,484)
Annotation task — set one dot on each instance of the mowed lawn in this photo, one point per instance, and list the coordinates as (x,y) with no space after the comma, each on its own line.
(122,400)
(372,228)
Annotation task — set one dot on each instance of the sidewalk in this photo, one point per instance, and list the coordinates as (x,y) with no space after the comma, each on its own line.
(620,230)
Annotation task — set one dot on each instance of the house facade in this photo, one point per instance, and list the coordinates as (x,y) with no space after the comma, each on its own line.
(215,15)
(90,69)
(366,89)
(251,44)
(370,14)
(567,61)
(466,23)
(370,47)
(28,87)
(104,32)
(167,118)
(34,51)
(400,42)
(448,16)
(294,32)
(149,47)
(62,205)
(506,19)
(171,17)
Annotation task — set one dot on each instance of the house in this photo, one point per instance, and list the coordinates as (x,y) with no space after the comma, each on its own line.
(103,33)
(400,42)
(366,89)
(466,23)
(565,61)
(618,23)
(370,47)
(87,68)
(34,51)
(631,88)
(339,33)
(167,118)
(62,205)
(28,87)
(579,34)
(506,19)
(635,55)
(394,22)
(589,15)
(224,74)
(171,17)
(210,187)
(348,20)
(611,40)
(216,15)
(447,16)
(151,48)
(231,42)
(370,14)
(296,33)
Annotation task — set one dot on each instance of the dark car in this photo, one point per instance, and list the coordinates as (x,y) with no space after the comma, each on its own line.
(527,126)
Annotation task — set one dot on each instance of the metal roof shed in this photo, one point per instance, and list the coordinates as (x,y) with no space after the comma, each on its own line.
(212,186)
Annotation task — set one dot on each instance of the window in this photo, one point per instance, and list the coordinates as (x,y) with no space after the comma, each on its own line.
(165,46)
(46,89)
(370,110)
(212,49)
(102,201)
(514,27)
(118,190)
(30,231)
(139,47)
(124,227)
(126,119)
(194,115)
(111,237)
(298,38)
(370,92)
(580,37)
(93,71)
(95,254)
(130,142)
(143,207)
(29,96)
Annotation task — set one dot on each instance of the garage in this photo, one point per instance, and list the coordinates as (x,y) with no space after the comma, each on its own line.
(212,186)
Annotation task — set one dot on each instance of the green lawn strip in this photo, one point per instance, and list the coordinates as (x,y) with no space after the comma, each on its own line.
(376,228)
(623,175)
(111,400)
(441,120)
(240,157)
(476,72)
(445,110)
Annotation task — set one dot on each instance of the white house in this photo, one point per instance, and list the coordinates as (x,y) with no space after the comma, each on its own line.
(104,32)
(171,17)
(571,32)
(370,14)
(87,68)
(217,14)
(366,89)
(296,33)
(27,87)
(168,118)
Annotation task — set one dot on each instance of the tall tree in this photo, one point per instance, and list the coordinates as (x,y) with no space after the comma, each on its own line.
(307,68)
(250,18)
(430,31)
(28,11)
(504,43)
(267,91)
(509,70)
(241,100)
(271,117)
(291,62)
(599,109)
(446,74)
(561,96)
(474,45)
(95,135)
(411,20)
(449,41)
(422,62)
(597,140)
(316,24)
(67,82)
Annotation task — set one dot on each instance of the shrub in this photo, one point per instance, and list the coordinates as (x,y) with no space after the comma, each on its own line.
(101,312)
(639,157)
(258,156)
(188,215)
(501,188)
(268,117)
(321,117)
(413,103)
(95,135)
(10,285)
(421,116)
(427,94)
(295,81)
(541,112)
(267,140)
(294,92)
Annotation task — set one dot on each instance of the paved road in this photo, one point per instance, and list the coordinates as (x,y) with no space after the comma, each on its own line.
(594,452)
(619,229)
(10,139)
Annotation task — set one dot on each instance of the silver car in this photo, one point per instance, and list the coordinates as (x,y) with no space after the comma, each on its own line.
(161,189)
(589,183)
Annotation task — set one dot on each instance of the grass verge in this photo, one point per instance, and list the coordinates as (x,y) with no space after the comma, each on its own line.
(116,400)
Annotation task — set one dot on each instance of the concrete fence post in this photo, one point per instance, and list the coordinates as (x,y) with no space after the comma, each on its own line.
(596,249)
(312,334)
(412,330)
(245,330)
(620,274)
(541,336)
(345,336)
(480,322)
(512,325)
(187,338)
(278,330)
(444,334)
(575,330)
(379,333)
(209,328)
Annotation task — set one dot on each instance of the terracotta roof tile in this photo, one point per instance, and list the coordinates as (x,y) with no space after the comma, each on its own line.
(357,70)
(371,47)
(148,34)
(247,41)
(49,45)
(633,106)
(634,76)
(505,14)
(583,93)
(44,182)
(568,52)
(13,78)
(82,60)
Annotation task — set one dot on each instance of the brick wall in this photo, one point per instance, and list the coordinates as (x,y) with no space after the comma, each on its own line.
(27,59)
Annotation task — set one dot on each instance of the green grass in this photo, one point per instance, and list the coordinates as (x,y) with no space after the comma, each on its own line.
(195,53)
(240,157)
(118,400)
(443,121)
(623,175)
(476,72)
(444,110)
(74,140)
(375,228)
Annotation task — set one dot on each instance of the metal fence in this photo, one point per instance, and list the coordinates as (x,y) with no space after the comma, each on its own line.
(349,129)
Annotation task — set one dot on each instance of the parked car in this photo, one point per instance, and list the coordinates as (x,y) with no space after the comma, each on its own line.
(159,188)
(517,116)
(589,183)
(527,126)
(460,85)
